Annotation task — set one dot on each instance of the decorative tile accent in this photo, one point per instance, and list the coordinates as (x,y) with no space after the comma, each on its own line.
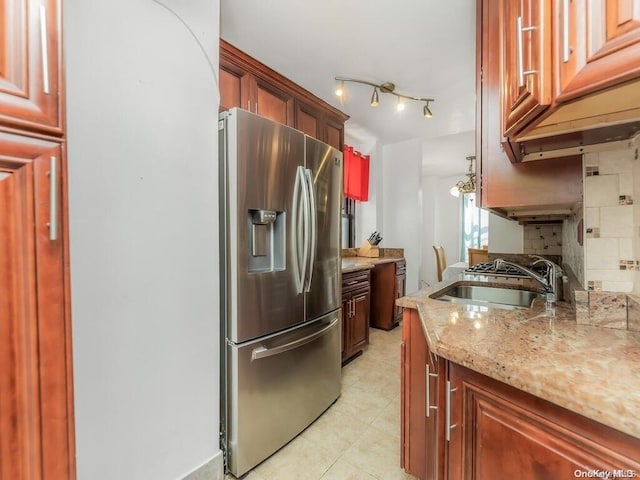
(633,313)
(627,265)
(590,171)
(625,200)
(608,309)
(594,285)
(543,239)
(593,232)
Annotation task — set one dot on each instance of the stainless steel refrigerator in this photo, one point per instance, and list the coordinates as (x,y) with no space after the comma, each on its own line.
(280,197)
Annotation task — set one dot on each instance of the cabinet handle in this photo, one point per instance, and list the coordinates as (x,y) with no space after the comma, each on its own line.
(352,283)
(53,198)
(429,407)
(520,53)
(566,51)
(448,426)
(45,49)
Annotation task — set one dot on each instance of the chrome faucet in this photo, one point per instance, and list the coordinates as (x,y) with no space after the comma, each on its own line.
(549,281)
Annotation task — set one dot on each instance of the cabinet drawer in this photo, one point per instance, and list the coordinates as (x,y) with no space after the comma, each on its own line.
(355,280)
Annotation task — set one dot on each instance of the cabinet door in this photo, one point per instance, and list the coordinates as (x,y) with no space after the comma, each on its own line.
(413,411)
(334,133)
(29,64)
(273,103)
(526,84)
(308,121)
(502,432)
(598,43)
(36,432)
(360,321)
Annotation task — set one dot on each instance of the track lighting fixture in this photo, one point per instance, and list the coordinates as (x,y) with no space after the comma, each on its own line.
(386,87)
(374,98)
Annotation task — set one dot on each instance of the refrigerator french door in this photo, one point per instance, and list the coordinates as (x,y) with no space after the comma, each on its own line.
(280,198)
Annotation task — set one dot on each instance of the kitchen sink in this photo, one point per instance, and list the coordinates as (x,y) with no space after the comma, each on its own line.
(489,296)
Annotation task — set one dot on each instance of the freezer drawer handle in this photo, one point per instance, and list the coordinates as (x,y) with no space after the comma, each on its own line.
(262,352)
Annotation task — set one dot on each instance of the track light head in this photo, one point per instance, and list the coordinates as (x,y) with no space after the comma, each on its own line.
(374,98)
(426,111)
(340,88)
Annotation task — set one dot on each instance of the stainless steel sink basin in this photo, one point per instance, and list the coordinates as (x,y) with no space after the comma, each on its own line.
(489,296)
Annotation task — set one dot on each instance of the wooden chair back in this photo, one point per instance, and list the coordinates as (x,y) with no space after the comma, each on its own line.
(478,255)
(441,261)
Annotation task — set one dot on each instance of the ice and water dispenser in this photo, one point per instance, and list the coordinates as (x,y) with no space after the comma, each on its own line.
(266,240)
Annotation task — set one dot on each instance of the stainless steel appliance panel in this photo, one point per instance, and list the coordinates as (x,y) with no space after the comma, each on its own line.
(324,164)
(264,160)
(278,386)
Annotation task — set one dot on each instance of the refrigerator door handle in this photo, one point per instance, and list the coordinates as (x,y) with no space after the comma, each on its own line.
(306,221)
(298,243)
(262,352)
(314,226)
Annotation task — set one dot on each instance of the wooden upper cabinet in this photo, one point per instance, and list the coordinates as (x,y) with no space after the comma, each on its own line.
(597,45)
(273,103)
(247,83)
(36,426)
(308,120)
(334,133)
(526,30)
(30,65)
(503,183)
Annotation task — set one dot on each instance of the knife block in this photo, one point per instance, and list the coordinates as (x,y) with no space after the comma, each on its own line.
(368,250)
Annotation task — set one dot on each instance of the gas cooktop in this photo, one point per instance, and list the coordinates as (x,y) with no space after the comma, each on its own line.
(504,270)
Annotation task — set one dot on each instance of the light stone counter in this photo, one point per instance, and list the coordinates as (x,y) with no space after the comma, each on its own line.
(589,370)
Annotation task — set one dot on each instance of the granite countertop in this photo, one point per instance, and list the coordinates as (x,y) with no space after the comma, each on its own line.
(589,370)
(353,264)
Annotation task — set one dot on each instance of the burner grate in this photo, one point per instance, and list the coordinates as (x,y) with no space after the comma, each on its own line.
(504,270)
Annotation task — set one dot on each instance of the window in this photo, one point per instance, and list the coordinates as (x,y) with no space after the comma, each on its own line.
(348,222)
(475,225)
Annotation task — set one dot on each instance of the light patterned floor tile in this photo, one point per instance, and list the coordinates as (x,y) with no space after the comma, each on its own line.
(335,431)
(299,459)
(378,454)
(342,470)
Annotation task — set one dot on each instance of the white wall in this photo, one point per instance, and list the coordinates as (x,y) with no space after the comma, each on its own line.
(142,103)
(442,223)
(505,236)
(402,207)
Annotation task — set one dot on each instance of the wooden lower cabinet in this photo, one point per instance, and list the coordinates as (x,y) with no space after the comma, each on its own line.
(387,285)
(495,431)
(422,385)
(356,300)
(36,414)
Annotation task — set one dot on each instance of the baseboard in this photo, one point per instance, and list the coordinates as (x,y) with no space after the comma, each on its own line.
(211,470)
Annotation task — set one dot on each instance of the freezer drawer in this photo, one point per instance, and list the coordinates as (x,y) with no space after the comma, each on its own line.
(277,386)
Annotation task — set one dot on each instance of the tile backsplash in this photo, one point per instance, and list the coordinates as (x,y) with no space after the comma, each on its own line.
(612,220)
(543,239)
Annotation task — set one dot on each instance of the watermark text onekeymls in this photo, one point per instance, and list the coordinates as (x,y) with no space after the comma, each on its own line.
(605,473)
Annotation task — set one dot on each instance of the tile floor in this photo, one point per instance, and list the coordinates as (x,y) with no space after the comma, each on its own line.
(358,437)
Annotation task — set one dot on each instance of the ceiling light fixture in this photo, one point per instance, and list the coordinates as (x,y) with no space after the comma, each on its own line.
(386,87)
(374,98)
(465,187)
